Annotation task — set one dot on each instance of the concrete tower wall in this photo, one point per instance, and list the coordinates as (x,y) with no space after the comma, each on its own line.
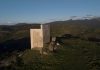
(40,36)
(46,33)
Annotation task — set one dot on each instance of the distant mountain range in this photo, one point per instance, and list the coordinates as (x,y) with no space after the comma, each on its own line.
(21,30)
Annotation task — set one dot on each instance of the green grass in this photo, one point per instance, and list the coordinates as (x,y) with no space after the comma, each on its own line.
(81,56)
(76,54)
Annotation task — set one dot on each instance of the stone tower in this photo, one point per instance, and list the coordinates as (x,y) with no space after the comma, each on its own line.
(40,36)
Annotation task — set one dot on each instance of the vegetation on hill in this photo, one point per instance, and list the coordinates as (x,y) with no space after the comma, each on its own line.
(79,40)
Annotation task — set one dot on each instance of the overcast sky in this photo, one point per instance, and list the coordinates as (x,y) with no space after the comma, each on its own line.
(14,11)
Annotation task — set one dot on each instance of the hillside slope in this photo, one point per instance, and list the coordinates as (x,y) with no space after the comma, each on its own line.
(80,51)
(19,32)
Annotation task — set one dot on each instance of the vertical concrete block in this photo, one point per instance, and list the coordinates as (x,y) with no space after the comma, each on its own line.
(40,36)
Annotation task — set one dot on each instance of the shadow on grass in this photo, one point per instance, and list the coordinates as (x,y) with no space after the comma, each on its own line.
(14,45)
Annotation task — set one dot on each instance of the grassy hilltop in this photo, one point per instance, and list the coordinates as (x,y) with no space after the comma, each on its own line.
(78,52)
